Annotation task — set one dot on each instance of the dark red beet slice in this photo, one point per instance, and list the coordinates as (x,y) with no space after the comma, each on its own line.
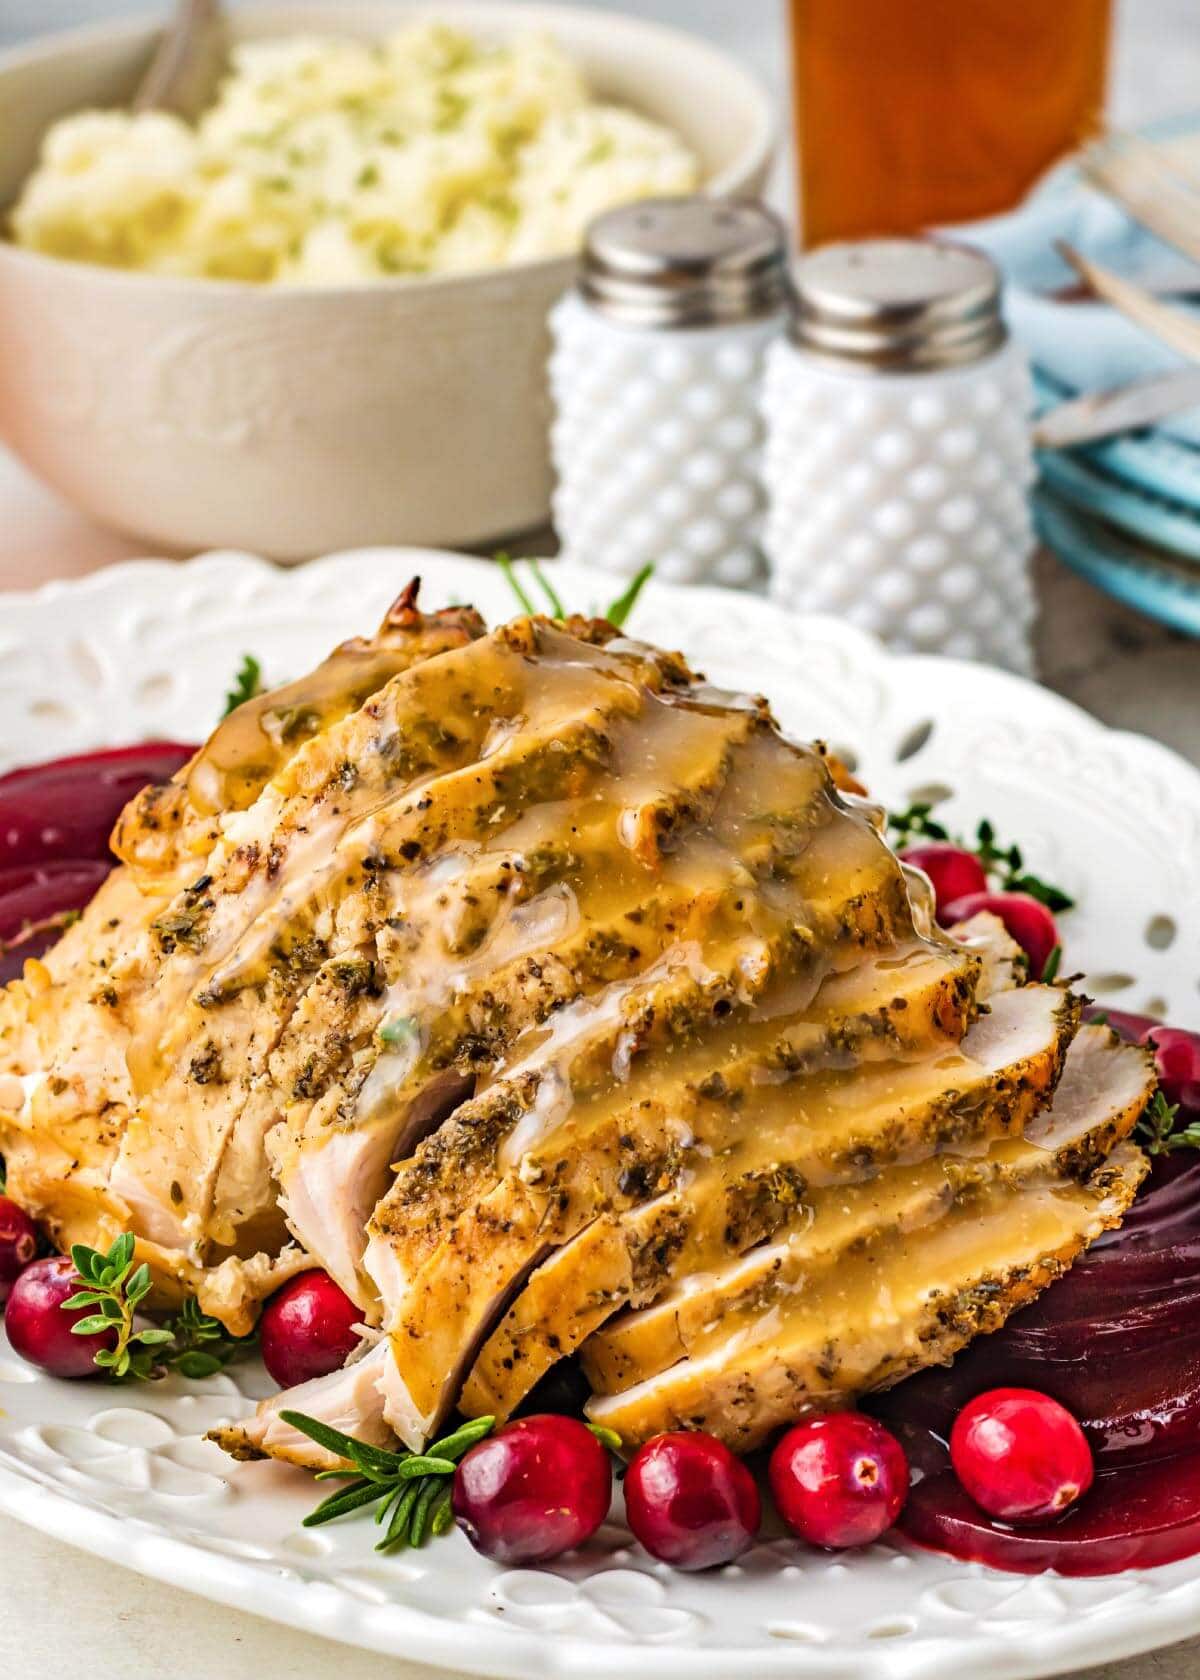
(1117,1341)
(37,894)
(66,809)
(1131,1519)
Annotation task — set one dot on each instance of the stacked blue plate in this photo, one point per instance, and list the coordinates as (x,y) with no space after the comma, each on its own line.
(1124,512)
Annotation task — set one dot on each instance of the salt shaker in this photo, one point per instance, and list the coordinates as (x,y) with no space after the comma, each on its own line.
(656,379)
(898,459)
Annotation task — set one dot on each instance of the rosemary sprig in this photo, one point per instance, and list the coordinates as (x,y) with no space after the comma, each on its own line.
(617,611)
(246,684)
(1005,864)
(191,1342)
(411,1491)
(1156,1130)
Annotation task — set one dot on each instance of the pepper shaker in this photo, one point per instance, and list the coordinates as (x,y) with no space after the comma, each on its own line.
(898,459)
(656,379)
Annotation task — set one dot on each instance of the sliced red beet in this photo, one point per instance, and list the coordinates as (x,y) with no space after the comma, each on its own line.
(1116,1341)
(36,894)
(1131,1519)
(67,808)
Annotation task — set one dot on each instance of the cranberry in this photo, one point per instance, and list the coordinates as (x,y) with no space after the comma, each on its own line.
(690,1501)
(1020,1455)
(953,871)
(1027,920)
(839,1480)
(1177,1057)
(537,1487)
(38,1328)
(18,1243)
(307,1329)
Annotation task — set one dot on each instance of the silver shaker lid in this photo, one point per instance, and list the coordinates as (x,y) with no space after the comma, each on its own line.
(685,262)
(901,305)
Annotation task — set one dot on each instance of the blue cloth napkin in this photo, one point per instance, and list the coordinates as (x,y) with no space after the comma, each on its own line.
(1084,345)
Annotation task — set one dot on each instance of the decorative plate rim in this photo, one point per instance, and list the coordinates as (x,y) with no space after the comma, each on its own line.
(1136,1612)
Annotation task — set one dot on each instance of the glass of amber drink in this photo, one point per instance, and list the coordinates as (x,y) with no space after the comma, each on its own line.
(915,113)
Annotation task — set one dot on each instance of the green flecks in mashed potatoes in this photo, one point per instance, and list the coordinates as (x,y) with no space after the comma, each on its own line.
(328,161)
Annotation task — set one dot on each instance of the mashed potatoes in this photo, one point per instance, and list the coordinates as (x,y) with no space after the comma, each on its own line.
(329,161)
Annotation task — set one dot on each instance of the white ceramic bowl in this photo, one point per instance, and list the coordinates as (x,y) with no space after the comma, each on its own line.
(203,413)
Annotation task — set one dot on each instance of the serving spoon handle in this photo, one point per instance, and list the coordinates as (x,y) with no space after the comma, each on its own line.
(188,61)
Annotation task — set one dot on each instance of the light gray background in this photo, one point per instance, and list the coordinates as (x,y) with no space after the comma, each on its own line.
(63,1613)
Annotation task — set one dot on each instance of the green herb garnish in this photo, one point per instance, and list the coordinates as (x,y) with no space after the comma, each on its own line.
(1004,864)
(617,611)
(112,1285)
(1009,865)
(505,564)
(1156,1130)
(246,684)
(916,824)
(1051,965)
(410,1490)
(620,609)
(201,1346)
(191,1343)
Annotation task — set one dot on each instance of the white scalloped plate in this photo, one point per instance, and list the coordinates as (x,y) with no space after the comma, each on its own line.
(148,649)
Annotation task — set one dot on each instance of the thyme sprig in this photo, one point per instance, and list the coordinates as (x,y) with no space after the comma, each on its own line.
(1157,1131)
(247,684)
(1004,864)
(201,1346)
(1008,863)
(191,1342)
(116,1289)
(617,611)
(411,1491)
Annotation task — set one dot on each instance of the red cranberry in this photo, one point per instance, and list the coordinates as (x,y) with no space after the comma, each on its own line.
(690,1502)
(1177,1057)
(307,1329)
(953,871)
(39,1329)
(1020,1455)
(536,1488)
(839,1480)
(18,1243)
(1027,920)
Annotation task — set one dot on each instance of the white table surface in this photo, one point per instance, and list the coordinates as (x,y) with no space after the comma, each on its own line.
(65,1614)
